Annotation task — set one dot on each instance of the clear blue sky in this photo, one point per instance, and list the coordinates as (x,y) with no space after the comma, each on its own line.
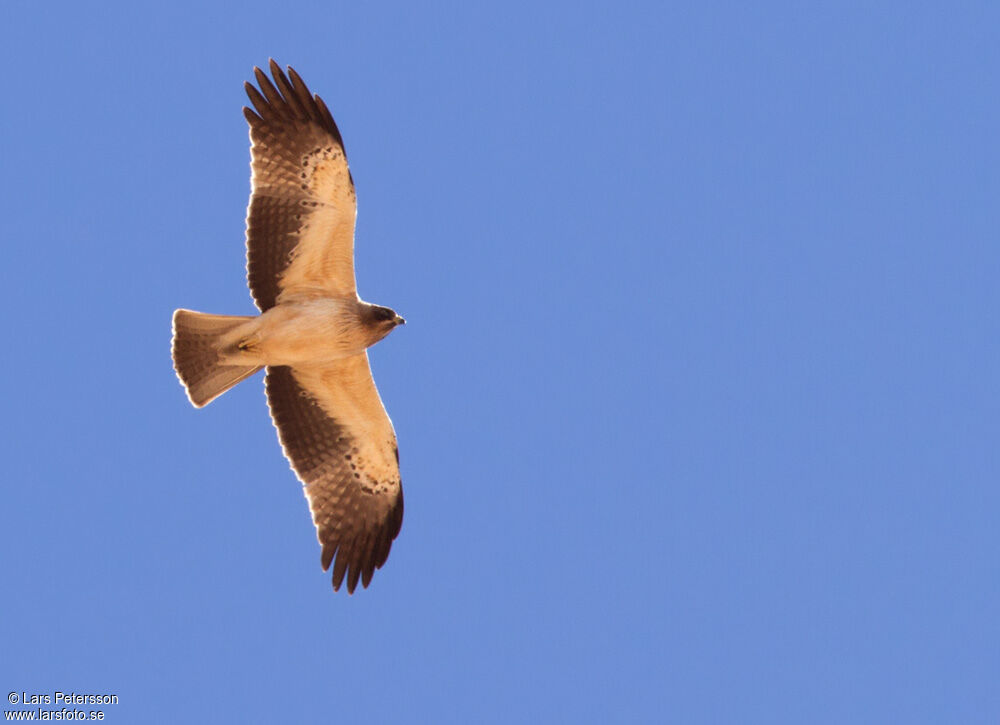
(697,404)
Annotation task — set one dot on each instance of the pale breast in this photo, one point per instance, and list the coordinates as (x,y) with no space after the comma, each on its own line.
(308,332)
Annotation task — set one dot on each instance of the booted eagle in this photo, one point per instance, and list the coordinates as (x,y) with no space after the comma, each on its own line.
(313,331)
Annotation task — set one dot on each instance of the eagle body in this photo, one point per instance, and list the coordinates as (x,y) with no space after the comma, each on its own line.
(309,331)
(313,332)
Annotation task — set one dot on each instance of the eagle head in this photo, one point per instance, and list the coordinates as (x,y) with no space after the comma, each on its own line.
(380,321)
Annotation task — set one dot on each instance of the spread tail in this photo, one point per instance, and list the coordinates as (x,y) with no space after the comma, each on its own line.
(197,359)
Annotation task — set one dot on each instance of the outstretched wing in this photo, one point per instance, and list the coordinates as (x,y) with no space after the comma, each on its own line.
(300,222)
(340,441)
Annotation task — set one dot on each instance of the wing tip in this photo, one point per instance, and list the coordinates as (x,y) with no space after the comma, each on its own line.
(285,99)
(358,562)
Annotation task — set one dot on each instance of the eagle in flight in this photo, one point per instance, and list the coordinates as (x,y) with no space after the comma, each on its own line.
(313,331)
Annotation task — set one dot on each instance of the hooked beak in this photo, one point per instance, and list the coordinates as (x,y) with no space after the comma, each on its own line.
(399,320)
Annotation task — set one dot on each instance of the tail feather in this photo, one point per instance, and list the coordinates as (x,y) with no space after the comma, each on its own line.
(195,350)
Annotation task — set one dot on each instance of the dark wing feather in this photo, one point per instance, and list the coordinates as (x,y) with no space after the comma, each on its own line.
(300,221)
(340,442)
